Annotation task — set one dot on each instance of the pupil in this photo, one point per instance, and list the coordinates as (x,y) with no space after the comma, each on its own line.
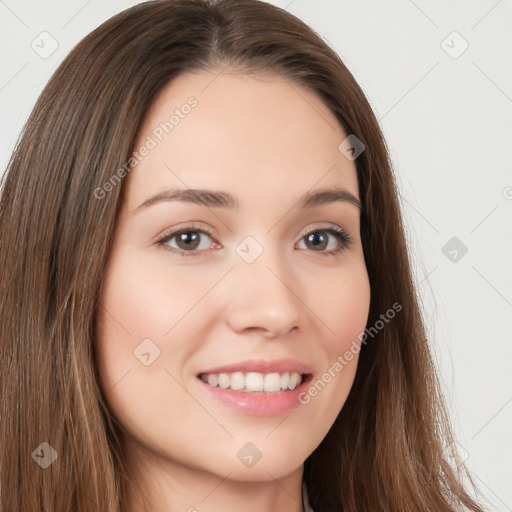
(188,237)
(317,238)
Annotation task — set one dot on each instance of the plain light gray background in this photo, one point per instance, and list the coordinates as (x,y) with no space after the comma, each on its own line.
(438,76)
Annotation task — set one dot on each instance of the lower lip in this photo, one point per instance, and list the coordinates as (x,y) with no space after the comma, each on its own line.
(258,403)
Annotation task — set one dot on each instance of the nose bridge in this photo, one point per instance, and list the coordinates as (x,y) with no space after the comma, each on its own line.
(262,289)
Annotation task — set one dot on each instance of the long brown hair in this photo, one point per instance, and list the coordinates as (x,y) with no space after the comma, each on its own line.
(390,447)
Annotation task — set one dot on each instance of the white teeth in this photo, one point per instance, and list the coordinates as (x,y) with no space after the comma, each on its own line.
(254,381)
(272,382)
(294,381)
(237,381)
(224,381)
(213,380)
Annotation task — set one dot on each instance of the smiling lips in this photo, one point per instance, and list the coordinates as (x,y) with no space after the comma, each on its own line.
(258,387)
(256,375)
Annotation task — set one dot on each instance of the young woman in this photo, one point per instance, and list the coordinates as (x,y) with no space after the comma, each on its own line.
(207,301)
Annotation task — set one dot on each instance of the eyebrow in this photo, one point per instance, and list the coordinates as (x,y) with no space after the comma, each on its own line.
(217,199)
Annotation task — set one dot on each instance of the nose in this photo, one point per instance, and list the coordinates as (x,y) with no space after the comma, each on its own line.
(263,297)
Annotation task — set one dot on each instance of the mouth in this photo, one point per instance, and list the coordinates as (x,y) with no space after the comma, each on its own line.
(256,382)
(256,394)
(257,387)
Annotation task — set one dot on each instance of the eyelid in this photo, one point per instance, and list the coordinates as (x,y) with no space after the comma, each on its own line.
(186,227)
(328,226)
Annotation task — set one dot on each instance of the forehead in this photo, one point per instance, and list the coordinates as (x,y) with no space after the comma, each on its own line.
(238,132)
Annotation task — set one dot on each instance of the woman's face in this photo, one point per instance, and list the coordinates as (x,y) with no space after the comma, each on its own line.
(253,280)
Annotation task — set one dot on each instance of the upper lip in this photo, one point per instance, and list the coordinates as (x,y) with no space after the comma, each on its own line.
(262,366)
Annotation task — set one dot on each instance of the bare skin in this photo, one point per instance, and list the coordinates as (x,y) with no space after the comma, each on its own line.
(267,144)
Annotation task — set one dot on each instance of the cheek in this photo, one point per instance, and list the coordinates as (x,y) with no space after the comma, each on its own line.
(142,299)
(142,331)
(344,306)
(146,309)
(136,311)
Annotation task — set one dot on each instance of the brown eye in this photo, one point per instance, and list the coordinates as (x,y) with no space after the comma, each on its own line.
(186,240)
(319,240)
(189,240)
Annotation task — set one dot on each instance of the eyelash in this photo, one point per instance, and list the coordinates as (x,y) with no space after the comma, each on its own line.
(340,234)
